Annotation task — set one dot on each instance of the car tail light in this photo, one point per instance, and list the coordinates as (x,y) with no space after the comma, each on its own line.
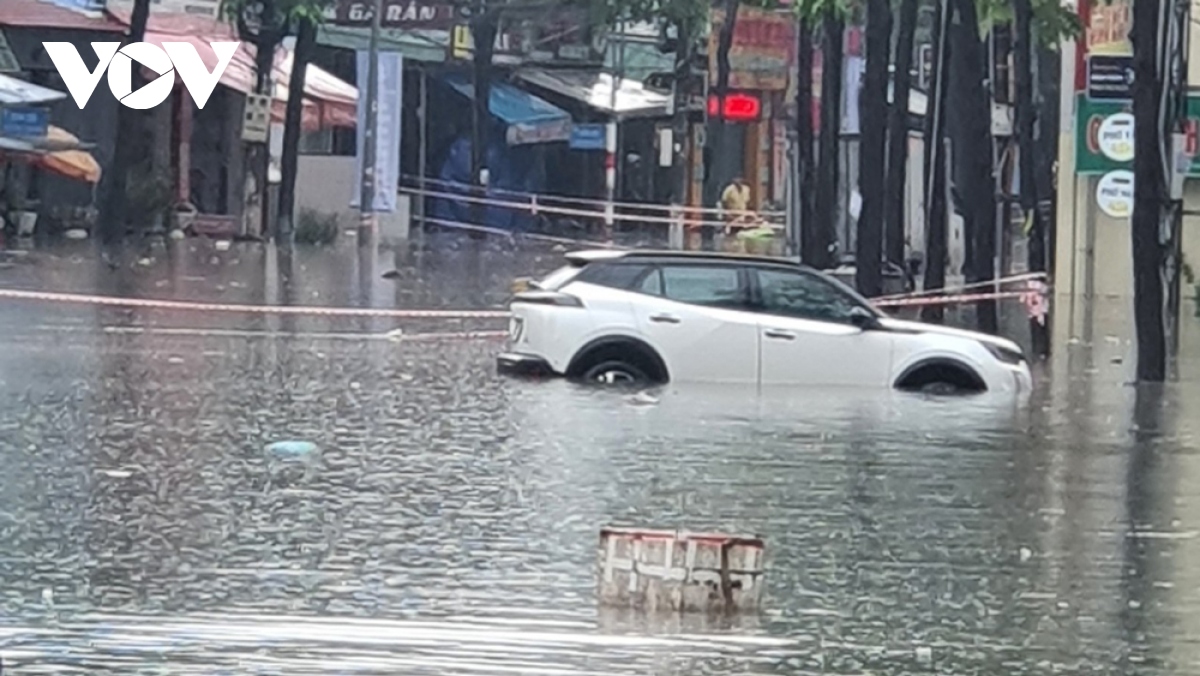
(548,298)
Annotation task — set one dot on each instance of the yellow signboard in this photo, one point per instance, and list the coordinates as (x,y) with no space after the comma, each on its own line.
(461,43)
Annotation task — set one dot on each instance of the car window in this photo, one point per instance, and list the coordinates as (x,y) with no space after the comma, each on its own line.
(715,286)
(613,275)
(805,296)
(652,283)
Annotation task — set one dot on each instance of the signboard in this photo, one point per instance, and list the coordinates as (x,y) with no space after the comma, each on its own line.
(396,14)
(1106,29)
(764,43)
(1104,139)
(924,66)
(587,137)
(24,122)
(1114,193)
(256,121)
(389,107)
(543,132)
(1110,77)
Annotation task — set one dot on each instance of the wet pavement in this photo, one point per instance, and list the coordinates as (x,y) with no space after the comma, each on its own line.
(446,521)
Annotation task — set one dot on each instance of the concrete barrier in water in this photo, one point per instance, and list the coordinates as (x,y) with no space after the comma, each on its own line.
(662,570)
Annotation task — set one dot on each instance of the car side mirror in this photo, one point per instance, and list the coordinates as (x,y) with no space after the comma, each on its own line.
(863,319)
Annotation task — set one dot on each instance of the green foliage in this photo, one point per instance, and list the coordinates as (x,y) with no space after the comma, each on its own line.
(1052,20)
(284,15)
(315,227)
(148,194)
(811,10)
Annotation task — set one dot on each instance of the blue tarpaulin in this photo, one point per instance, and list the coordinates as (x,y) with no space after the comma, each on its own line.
(528,118)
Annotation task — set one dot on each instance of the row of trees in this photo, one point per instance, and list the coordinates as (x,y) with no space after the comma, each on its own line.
(264,24)
(960,38)
(961,73)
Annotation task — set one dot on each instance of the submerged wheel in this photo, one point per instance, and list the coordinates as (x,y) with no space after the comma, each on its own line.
(615,372)
(942,378)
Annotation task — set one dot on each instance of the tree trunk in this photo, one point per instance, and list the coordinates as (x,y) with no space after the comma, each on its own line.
(973,155)
(1148,189)
(895,216)
(306,35)
(1046,149)
(804,134)
(1027,144)
(935,162)
(820,255)
(483,30)
(873,151)
(266,41)
(724,44)
(131,127)
(681,100)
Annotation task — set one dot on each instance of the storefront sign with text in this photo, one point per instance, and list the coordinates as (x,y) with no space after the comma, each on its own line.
(1104,140)
(396,14)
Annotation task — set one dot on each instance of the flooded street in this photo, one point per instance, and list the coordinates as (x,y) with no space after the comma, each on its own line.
(445,520)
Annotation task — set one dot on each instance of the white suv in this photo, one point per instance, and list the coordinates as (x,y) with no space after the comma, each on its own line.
(650,317)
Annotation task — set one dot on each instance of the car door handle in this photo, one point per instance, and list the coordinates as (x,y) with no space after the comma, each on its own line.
(780,334)
(664,318)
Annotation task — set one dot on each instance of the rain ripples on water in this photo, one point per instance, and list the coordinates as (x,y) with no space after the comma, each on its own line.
(438,519)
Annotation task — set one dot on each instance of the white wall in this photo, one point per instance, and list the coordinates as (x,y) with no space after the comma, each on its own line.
(325,183)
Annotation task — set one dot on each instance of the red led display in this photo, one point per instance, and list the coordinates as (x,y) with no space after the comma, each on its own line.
(738,107)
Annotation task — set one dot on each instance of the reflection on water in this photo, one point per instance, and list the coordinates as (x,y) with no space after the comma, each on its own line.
(449,524)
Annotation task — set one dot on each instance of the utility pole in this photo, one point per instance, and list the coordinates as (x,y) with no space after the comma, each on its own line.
(680,103)
(611,131)
(366,205)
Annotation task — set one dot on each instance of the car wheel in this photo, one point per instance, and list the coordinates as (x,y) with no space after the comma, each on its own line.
(615,372)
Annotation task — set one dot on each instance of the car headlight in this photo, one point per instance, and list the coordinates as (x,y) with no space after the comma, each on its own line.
(1005,355)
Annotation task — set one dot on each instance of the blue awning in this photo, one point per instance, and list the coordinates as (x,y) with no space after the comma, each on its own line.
(529,118)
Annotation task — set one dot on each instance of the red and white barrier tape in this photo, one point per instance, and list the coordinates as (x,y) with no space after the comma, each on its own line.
(1033,297)
(394,336)
(1014,279)
(947,300)
(112,301)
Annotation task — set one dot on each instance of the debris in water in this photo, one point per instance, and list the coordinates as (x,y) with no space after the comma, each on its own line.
(176,234)
(643,399)
(1026,554)
(175,360)
(76,233)
(291,448)
(925,655)
(222,245)
(115,473)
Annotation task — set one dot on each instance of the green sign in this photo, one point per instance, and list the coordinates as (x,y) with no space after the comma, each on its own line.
(1104,135)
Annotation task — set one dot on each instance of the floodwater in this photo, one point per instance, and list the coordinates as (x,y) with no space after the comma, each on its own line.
(446,520)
